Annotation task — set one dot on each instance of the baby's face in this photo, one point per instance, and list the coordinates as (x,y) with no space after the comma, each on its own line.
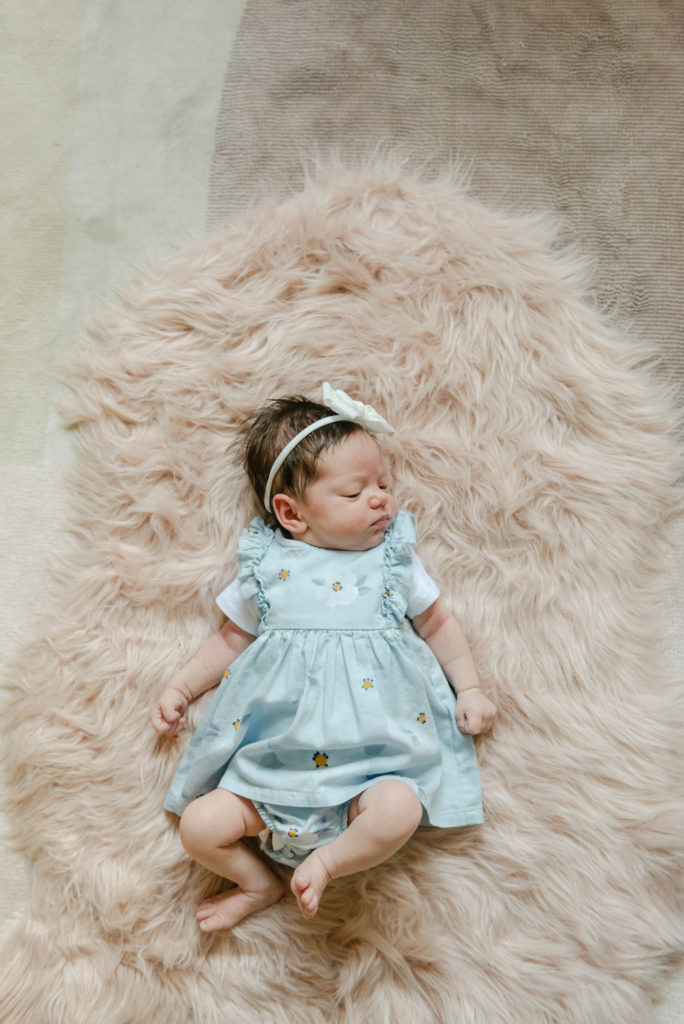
(349,506)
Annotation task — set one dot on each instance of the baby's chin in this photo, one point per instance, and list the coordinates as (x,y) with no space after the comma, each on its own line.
(377,537)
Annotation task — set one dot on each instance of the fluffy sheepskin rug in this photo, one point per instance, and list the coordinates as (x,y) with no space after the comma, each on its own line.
(539,465)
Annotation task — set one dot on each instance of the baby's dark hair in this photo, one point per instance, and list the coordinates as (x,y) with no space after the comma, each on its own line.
(266,432)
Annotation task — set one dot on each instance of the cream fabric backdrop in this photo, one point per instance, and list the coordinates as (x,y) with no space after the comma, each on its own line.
(108,145)
(131,128)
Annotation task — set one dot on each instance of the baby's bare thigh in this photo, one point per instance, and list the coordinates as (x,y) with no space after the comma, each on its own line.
(219,817)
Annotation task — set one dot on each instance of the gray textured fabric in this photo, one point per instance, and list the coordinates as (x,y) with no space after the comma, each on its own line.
(577,109)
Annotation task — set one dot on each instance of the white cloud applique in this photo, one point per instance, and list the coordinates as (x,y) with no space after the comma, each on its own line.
(341,590)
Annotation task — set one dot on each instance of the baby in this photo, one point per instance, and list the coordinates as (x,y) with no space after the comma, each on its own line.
(334,732)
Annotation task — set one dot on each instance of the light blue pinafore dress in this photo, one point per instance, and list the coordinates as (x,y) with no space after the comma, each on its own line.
(337,691)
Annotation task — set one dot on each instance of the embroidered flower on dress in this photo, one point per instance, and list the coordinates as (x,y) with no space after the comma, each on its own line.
(283,574)
(236,723)
(422,718)
(367,684)
(320,760)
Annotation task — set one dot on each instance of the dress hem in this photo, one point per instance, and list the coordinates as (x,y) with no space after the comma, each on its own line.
(469,815)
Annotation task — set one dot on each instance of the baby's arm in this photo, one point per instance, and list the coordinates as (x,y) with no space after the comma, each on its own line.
(203,671)
(475,713)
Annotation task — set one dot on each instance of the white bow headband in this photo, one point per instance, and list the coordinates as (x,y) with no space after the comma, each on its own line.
(346,408)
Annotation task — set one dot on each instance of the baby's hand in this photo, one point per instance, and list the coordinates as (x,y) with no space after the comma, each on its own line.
(475,713)
(168,717)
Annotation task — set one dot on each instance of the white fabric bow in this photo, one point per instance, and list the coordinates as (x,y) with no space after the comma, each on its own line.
(357,412)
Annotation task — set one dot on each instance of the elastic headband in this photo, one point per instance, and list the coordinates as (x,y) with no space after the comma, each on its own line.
(346,408)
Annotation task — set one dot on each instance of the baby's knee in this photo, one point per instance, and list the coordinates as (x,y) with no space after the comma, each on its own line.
(401,807)
(210,821)
(193,828)
(408,808)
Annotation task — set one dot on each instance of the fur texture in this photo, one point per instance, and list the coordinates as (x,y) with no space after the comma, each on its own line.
(539,463)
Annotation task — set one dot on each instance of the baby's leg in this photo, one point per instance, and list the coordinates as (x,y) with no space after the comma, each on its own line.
(381,819)
(211,829)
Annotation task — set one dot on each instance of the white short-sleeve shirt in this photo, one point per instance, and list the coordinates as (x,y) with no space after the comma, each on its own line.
(424,592)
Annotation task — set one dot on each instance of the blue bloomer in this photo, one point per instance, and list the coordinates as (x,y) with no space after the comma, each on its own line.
(291,833)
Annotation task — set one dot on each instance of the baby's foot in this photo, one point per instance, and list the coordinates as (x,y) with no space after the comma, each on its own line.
(228,908)
(308,883)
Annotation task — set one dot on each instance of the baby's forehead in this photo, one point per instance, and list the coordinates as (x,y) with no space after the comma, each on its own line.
(357,453)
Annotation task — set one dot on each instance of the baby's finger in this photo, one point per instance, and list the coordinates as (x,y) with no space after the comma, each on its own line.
(165,724)
(157,719)
(462,721)
(474,722)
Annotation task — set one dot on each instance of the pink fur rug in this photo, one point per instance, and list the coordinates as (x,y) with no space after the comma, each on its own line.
(538,460)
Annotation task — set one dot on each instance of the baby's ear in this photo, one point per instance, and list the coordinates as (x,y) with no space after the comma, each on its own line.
(288,513)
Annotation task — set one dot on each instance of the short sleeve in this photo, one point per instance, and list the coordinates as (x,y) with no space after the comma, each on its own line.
(424,591)
(243,613)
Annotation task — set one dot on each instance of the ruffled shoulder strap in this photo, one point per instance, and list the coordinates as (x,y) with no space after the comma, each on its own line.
(254,542)
(403,529)
(398,564)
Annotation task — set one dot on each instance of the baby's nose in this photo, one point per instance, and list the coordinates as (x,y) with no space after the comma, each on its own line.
(377,499)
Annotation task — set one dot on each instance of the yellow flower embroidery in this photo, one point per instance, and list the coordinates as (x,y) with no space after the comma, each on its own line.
(422,718)
(388,593)
(321,760)
(337,586)
(226,673)
(292,833)
(283,574)
(367,684)
(236,723)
